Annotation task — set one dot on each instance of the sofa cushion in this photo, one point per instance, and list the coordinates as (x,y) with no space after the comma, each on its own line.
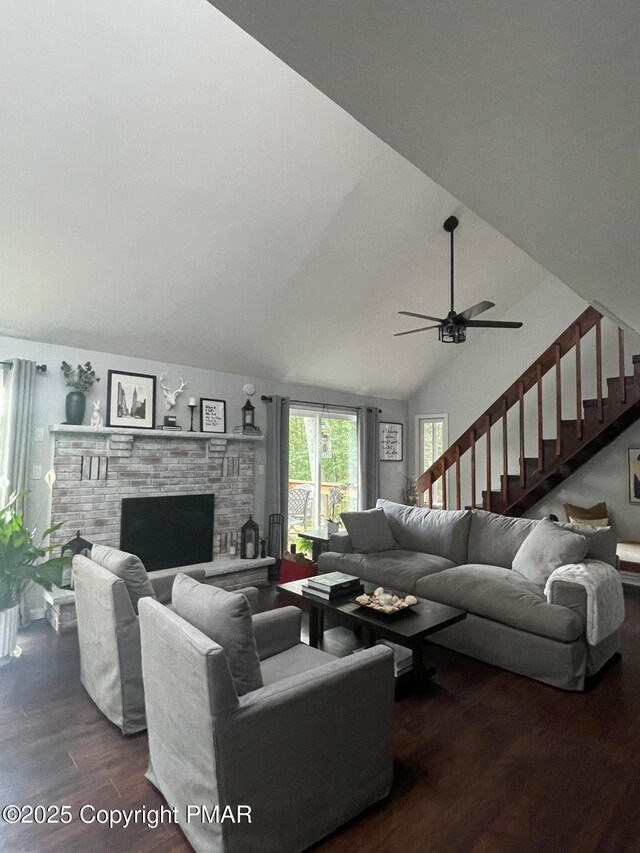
(546,548)
(395,569)
(602,541)
(495,539)
(128,567)
(225,617)
(503,596)
(432,531)
(369,531)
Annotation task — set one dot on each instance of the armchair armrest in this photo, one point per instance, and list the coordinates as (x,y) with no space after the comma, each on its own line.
(321,739)
(277,630)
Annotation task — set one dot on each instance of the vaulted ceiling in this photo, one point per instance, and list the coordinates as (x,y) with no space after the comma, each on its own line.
(173,190)
(527,111)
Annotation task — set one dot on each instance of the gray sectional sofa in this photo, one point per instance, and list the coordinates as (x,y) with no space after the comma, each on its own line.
(464,559)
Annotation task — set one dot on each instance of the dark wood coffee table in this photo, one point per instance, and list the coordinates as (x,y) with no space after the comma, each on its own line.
(408,628)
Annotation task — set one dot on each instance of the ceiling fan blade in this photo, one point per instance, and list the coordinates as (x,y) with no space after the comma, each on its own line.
(476,309)
(413,331)
(492,324)
(421,316)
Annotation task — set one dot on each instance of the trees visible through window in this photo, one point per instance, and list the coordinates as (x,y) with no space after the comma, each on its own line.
(432,442)
(323,467)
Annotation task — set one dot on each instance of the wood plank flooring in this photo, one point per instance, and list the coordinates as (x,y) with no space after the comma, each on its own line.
(485,760)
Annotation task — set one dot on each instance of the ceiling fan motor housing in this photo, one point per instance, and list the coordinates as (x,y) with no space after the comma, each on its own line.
(452,333)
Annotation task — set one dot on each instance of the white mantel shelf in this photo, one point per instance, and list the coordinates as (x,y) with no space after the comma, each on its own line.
(156,433)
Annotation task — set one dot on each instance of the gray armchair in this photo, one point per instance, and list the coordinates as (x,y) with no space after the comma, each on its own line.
(108,588)
(306,752)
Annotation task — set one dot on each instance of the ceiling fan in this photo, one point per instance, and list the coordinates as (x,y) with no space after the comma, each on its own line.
(452,329)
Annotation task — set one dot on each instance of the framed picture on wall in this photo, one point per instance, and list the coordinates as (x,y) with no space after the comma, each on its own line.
(390,442)
(131,400)
(213,415)
(634,475)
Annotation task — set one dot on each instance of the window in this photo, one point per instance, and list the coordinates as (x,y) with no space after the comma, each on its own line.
(323,466)
(3,496)
(431,434)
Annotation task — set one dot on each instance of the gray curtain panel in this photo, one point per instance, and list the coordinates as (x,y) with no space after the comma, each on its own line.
(19,388)
(368,457)
(277,486)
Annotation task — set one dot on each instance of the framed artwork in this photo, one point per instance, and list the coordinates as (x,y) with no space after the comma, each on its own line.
(390,442)
(634,475)
(131,400)
(213,415)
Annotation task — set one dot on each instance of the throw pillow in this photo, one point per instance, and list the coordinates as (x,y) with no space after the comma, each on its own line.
(225,617)
(369,531)
(128,567)
(602,541)
(595,516)
(546,548)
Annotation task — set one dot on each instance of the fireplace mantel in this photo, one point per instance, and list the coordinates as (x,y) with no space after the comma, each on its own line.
(156,433)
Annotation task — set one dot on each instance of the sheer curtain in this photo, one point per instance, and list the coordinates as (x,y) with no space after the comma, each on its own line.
(17,423)
(277,467)
(368,457)
(18,388)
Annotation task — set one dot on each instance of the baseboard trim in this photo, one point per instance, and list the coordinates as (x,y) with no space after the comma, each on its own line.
(630,578)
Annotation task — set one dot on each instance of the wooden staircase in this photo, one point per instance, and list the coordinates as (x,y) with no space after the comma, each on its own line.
(596,422)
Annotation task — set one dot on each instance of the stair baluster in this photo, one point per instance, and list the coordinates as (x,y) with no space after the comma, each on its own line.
(523,467)
(540,421)
(599,368)
(488,434)
(623,378)
(578,384)
(558,403)
(505,452)
(474,492)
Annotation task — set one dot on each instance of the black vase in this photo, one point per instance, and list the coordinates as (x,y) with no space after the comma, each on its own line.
(74,407)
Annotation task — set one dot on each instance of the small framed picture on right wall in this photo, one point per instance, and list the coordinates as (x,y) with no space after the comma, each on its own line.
(634,475)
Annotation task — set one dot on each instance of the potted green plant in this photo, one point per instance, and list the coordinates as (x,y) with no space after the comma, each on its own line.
(21,563)
(81,379)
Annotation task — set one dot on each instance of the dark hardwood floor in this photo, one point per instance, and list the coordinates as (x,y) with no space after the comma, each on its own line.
(485,760)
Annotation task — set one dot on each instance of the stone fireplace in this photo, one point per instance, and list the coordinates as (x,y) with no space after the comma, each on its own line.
(97,469)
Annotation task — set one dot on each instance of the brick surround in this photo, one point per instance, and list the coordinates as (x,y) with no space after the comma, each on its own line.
(95,469)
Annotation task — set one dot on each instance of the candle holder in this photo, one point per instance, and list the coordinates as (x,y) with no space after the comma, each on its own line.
(192,406)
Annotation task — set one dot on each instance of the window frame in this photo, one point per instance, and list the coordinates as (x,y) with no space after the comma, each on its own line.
(319,411)
(443,418)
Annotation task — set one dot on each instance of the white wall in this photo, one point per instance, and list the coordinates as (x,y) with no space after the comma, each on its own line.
(51,393)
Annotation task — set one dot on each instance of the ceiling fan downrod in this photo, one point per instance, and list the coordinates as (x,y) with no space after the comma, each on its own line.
(450,226)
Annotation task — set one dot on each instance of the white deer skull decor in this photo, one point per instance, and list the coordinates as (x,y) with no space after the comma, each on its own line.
(170,397)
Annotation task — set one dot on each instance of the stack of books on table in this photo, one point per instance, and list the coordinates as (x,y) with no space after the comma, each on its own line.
(332,585)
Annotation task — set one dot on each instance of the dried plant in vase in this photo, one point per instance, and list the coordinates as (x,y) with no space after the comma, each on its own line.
(81,379)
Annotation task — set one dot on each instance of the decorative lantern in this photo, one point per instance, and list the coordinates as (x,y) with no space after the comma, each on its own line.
(248,414)
(77,545)
(249,539)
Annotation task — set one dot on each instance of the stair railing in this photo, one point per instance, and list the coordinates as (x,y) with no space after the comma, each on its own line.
(551,359)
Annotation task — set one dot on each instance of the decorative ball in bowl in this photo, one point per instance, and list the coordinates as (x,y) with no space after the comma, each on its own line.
(386,603)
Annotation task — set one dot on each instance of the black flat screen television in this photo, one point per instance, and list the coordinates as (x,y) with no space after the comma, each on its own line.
(168,531)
